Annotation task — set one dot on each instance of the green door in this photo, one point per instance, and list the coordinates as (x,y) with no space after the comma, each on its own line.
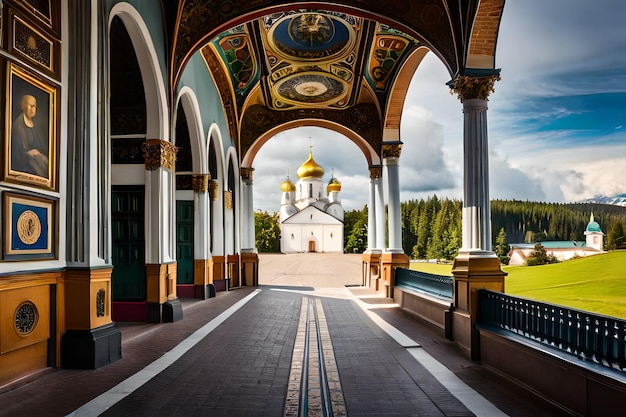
(128,280)
(184,242)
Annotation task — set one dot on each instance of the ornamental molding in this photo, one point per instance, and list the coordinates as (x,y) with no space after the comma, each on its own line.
(159,153)
(392,150)
(200,182)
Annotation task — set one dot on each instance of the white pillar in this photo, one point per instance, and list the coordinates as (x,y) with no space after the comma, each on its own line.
(202,211)
(160,213)
(218,218)
(476,203)
(247,210)
(381,232)
(392,177)
(371,215)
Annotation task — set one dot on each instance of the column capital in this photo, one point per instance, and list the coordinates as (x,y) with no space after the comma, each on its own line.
(376,172)
(213,190)
(473,87)
(393,149)
(200,182)
(159,153)
(246,173)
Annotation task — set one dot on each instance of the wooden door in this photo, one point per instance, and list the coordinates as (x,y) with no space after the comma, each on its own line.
(184,242)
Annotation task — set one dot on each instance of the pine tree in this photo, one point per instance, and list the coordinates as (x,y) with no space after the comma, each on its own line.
(502,247)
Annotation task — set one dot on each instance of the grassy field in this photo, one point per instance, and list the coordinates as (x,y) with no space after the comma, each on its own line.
(596,283)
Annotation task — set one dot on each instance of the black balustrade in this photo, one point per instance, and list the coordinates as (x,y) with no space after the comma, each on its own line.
(437,285)
(589,336)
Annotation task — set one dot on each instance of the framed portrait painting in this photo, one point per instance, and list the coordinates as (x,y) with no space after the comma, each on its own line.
(31,130)
(29,227)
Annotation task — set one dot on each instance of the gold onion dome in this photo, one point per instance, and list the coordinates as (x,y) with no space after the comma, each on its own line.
(287,186)
(310,169)
(333,185)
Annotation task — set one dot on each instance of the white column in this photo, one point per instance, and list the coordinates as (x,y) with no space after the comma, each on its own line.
(202,211)
(476,203)
(247,210)
(394,216)
(160,216)
(371,216)
(381,232)
(218,219)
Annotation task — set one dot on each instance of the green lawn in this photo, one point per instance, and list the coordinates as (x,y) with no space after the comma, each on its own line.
(596,283)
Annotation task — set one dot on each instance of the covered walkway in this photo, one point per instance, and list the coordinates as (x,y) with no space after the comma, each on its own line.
(246,352)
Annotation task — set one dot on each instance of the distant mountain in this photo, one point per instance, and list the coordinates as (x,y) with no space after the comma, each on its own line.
(618,200)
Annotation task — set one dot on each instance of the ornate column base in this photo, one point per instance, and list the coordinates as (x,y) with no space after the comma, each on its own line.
(472,270)
(250,269)
(203,279)
(91,340)
(232,276)
(390,261)
(371,268)
(162,304)
(218,268)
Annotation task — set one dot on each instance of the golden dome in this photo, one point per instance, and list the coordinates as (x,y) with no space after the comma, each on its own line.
(287,186)
(310,169)
(333,185)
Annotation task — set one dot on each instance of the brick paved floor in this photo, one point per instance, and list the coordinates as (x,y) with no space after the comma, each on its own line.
(242,367)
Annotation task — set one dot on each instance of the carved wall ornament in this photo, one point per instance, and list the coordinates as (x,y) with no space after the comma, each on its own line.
(392,150)
(200,182)
(467,87)
(26,317)
(100,302)
(159,153)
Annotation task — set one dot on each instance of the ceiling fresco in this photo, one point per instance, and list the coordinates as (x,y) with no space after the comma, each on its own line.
(275,61)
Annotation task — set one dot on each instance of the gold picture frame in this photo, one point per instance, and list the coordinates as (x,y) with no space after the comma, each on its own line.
(31,129)
(31,44)
(29,228)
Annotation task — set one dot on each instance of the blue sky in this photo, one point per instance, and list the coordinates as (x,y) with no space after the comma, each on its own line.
(557,120)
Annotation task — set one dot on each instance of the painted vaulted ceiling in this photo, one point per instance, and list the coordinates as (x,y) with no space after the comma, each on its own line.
(346,63)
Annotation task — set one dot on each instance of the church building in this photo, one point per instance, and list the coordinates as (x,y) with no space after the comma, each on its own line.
(311,220)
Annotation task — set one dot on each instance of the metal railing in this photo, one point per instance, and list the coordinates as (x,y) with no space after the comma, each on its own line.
(588,336)
(437,285)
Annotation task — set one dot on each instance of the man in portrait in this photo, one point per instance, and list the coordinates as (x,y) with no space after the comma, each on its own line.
(29,149)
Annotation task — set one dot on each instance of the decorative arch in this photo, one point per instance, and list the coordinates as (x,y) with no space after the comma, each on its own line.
(189,103)
(370,153)
(399,91)
(482,43)
(158,123)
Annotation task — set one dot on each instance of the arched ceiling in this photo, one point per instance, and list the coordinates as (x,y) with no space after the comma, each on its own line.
(347,62)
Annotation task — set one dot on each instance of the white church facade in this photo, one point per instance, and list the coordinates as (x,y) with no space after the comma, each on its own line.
(311,218)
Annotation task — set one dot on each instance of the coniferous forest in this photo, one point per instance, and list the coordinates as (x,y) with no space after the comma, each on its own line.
(431,228)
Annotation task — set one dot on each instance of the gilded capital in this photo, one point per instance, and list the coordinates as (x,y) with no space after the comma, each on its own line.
(392,150)
(159,153)
(200,182)
(376,172)
(246,173)
(213,190)
(467,87)
(228,199)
